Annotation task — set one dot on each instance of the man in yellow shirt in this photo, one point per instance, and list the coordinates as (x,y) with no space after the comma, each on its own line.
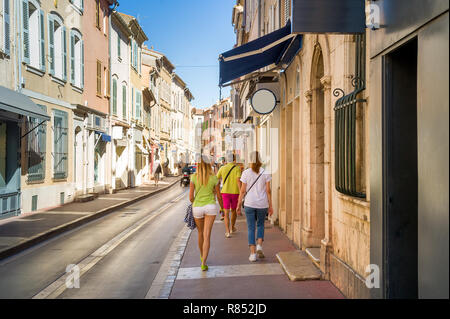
(230,175)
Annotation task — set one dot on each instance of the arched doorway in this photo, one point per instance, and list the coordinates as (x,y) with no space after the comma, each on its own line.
(317,151)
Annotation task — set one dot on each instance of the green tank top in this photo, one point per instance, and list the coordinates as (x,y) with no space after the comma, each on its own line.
(204,194)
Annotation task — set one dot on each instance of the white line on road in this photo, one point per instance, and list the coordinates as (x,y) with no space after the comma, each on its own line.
(59,286)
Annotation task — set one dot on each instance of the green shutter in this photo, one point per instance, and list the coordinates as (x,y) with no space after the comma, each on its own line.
(42,40)
(64,53)
(118,45)
(114,97)
(124,102)
(72,57)
(51,44)
(25,32)
(7,27)
(132,102)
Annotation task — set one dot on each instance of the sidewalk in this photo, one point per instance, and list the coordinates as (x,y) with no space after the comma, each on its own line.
(232,276)
(24,231)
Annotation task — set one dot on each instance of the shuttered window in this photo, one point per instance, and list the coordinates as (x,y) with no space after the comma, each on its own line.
(287,10)
(138,104)
(99,78)
(114,97)
(97,14)
(118,46)
(36,149)
(60,144)
(124,102)
(76,59)
(51,44)
(25,32)
(6,27)
(57,35)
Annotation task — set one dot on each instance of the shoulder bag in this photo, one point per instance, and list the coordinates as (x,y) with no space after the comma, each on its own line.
(243,200)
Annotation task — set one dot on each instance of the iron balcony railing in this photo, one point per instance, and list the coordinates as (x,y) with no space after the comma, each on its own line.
(345,128)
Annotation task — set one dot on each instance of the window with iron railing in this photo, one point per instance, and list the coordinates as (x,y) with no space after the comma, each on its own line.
(349,130)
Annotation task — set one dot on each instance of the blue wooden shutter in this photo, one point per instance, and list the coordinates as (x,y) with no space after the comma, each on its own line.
(7,27)
(72,57)
(51,44)
(25,32)
(42,40)
(64,52)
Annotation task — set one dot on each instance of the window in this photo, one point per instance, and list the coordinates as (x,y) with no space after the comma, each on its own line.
(60,144)
(124,102)
(107,82)
(33,34)
(79,4)
(118,46)
(76,59)
(57,47)
(5,33)
(138,104)
(349,131)
(35,149)
(99,78)
(97,14)
(114,97)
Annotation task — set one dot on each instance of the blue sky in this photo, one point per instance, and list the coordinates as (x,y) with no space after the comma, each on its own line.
(192,34)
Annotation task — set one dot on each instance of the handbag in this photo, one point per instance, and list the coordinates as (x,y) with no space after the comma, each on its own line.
(189,216)
(243,200)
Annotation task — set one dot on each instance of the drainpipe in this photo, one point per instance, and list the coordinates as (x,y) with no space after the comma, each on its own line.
(18,57)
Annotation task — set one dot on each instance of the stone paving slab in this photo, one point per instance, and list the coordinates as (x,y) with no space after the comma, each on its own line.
(298,266)
(232,276)
(30,229)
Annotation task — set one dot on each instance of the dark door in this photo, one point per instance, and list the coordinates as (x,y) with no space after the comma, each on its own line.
(400,181)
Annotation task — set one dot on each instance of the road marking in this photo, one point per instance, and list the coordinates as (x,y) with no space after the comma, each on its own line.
(256,269)
(59,286)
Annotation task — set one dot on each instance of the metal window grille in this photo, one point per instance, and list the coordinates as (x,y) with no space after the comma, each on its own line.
(345,127)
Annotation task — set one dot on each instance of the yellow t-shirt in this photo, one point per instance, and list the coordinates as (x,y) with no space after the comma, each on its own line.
(231,186)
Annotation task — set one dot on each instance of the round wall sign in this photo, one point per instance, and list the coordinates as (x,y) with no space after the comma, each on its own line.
(263,101)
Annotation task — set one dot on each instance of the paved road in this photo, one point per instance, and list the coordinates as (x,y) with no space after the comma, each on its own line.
(119,255)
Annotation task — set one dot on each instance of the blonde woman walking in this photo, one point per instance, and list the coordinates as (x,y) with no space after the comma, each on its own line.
(257,198)
(204,189)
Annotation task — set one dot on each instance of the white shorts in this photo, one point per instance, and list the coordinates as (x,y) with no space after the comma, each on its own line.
(210,210)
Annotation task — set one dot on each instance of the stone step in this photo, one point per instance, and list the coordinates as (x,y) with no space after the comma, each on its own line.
(84,198)
(314,254)
(298,266)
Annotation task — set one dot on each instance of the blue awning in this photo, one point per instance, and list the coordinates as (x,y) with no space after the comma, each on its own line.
(278,47)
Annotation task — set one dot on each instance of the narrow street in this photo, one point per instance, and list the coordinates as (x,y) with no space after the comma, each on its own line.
(127,271)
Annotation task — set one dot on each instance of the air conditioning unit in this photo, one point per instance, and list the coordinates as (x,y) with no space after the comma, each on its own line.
(90,121)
